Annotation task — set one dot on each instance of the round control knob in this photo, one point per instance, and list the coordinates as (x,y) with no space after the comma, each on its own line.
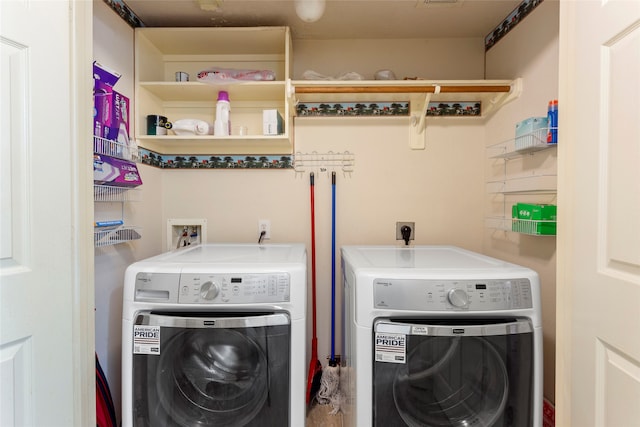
(209,290)
(458,298)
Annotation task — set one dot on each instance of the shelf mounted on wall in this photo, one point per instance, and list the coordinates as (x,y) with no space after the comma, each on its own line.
(425,97)
(490,96)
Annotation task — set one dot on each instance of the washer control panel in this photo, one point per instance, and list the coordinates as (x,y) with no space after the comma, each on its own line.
(213,288)
(452,295)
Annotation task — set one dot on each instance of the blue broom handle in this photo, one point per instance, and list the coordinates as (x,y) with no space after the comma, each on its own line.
(333,266)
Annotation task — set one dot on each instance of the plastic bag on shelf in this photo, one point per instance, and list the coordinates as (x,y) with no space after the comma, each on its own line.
(313,75)
(229,75)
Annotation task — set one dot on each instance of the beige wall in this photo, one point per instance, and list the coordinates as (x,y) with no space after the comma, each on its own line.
(440,189)
(113,47)
(529,51)
(446,59)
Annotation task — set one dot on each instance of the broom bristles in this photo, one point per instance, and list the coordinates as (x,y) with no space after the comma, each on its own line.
(315,372)
(314,381)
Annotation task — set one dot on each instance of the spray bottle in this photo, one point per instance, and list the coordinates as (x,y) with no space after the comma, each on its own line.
(552,116)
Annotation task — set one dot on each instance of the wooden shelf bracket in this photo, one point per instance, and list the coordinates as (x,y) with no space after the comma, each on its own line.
(501,99)
(417,134)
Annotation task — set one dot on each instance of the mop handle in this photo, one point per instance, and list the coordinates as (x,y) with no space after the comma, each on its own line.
(333,266)
(313,252)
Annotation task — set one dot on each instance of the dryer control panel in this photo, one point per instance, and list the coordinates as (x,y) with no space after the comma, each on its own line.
(213,288)
(447,295)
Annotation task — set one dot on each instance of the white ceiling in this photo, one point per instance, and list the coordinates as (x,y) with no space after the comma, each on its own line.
(366,19)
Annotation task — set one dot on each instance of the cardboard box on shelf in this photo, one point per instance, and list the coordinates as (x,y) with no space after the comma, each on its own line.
(536,219)
(112,171)
(105,75)
(532,211)
(272,123)
(110,108)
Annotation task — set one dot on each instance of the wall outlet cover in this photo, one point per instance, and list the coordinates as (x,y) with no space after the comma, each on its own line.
(399,226)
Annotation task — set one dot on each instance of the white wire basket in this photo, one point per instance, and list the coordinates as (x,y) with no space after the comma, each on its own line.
(113,236)
(110,193)
(107,147)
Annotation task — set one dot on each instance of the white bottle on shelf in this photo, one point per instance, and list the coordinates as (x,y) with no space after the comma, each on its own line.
(222,125)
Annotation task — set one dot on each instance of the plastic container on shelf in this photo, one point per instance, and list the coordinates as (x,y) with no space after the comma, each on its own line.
(552,115)
(531,218)
(529,131)
(222,125)
(192,127)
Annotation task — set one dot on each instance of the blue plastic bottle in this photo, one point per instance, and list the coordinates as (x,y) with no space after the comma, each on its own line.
(552,116)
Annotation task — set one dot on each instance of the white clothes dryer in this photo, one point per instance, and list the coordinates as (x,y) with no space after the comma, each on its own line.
(214,335)
(439,336)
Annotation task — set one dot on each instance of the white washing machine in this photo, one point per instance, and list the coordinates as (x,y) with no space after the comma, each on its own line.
(214,335)
(439,336)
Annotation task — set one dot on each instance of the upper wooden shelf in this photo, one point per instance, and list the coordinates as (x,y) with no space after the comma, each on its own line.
(491,94)
(201,92)
(402,90)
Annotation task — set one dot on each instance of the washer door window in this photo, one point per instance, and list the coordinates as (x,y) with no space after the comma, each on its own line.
(193,369)
(453,374)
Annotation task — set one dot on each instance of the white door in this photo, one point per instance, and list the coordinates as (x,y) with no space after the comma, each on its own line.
(47,365)
(598,361)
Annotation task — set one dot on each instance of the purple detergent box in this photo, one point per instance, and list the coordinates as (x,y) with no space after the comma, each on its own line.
(105,75)
(102,101)
(110,108)
(118,127)
(112,171)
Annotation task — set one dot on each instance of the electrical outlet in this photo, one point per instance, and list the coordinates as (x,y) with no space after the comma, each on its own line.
(264,225)
(399,226)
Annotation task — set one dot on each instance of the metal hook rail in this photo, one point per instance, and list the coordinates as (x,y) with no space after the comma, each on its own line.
(324,162)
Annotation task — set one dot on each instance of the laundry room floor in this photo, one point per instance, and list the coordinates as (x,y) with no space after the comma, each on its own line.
(319,416)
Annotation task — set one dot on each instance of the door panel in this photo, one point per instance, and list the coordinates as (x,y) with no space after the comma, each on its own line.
(621,144)
(14,149)
(47,361)
(15,401)
(15,378)
(599,195)
(616,371)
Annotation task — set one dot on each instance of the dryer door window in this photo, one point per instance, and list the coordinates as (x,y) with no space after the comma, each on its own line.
(231,370)
(453,373)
